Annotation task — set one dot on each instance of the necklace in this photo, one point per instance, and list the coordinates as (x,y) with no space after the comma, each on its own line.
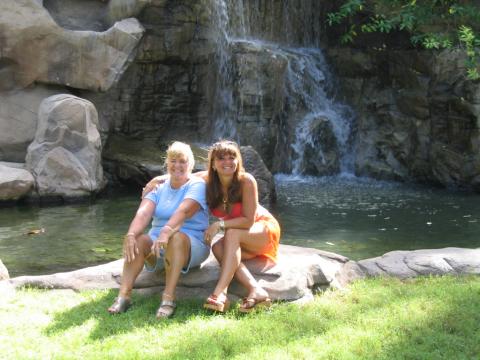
(225,202)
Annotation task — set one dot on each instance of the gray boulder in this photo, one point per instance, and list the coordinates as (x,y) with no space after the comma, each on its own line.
(65,157)
(298,273)
(18,120)
(254,164)
(407,264)
(14,182)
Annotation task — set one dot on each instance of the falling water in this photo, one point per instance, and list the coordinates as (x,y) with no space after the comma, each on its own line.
(309,82)
(312,114)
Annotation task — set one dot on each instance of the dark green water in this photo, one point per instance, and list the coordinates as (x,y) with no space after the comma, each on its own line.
(353,217)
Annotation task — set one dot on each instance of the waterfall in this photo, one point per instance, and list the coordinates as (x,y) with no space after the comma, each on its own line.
(311,129)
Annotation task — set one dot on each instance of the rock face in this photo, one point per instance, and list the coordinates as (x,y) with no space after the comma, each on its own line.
(14,183)
(407,264)
(417,115)
(298,274)
(65,157)
(36,49)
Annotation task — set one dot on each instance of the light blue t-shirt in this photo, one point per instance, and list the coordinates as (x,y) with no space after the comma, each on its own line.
(167,201)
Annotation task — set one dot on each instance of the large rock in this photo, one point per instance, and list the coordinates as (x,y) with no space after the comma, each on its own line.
(298,273)
(14,183)
(254,164)
(18,120)
(36,49)
(65,157)
(405,264)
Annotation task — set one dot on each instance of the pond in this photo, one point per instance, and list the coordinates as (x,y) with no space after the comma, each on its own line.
(358,218)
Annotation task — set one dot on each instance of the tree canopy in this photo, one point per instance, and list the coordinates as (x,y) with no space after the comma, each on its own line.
(431,24)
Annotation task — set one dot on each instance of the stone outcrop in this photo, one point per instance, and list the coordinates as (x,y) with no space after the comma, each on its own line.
(407,264)
(417,115)
(65,157)
(14,182)
(254,164)
(298,274)
(36,49)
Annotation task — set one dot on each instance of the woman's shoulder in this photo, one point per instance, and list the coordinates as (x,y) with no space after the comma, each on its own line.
(247,179)
(196,181)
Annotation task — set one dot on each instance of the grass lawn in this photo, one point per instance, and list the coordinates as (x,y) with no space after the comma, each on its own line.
(423,318)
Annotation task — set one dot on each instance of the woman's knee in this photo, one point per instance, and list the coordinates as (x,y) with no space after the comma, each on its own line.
(234,235)
(179,242)
(217,248)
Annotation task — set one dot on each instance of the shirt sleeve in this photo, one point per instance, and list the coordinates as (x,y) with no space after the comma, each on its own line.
(153,196)
(197,191)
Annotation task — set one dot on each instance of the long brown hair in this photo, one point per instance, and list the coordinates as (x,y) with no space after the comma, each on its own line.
(214,187)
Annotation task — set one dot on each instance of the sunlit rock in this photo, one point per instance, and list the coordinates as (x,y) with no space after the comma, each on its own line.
(36,49)
(65,157)
(18,120)
(14,182)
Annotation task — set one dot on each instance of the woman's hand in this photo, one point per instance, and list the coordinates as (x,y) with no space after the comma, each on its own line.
(130,248)
(160,244)
(152,184)
(211,231)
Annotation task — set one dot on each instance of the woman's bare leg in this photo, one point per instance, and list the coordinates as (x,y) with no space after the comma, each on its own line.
(229,253)
(177,256)
(132,269)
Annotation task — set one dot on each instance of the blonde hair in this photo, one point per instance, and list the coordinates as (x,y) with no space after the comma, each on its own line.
(179,149)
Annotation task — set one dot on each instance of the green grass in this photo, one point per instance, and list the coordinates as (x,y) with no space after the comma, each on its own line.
(424,318)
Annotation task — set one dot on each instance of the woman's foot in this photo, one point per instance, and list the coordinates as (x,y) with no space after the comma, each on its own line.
(219,303)
(257,298)
(167,307)
(120,305)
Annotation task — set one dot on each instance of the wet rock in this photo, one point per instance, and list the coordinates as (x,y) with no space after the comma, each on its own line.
(14,182)
(65,157)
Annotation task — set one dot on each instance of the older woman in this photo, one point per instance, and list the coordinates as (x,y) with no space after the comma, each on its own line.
(175,241)
(249,229)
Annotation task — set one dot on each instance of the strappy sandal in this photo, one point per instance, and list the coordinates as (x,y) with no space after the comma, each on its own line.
(214,303)
(167,307)
(252,304)
(120,305)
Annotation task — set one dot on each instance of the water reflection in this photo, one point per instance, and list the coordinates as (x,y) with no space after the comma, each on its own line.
(358,218)
(361,218)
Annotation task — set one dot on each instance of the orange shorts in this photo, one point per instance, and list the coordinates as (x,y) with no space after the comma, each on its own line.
(273,231)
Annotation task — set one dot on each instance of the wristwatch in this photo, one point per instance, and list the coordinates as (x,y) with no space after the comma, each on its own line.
(222,225)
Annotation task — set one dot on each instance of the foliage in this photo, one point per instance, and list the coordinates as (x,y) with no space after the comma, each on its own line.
(423,318)
(433,24)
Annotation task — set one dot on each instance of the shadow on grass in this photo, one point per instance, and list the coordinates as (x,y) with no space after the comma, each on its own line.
(140,314)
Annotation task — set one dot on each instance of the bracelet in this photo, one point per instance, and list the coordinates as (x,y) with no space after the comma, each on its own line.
(222,225)
(130,233)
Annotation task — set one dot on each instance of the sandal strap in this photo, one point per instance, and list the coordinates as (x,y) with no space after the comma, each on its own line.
(168,303)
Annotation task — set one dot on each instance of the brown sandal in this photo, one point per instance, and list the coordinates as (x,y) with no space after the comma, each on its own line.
(251,304)
(213,303)
(120,305)
(167,307)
